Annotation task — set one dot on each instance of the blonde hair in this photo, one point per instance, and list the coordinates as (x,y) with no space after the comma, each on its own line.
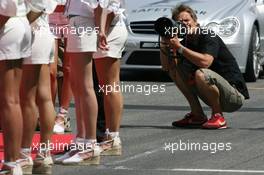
(183,8)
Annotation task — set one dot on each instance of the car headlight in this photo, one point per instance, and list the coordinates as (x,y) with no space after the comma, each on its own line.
(226,28)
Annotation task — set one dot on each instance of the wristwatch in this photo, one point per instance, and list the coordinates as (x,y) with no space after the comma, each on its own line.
(180,50)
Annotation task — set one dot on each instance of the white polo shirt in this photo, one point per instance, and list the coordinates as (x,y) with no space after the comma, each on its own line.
(13,8)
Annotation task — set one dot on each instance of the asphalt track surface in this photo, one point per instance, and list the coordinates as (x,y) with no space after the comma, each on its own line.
(152,146)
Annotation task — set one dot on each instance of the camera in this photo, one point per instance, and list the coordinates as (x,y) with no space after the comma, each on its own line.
(168,28)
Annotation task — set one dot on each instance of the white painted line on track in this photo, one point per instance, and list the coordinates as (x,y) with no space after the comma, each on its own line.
(135,156)
(144,154)
(192,170)
(213,170)
(255,88)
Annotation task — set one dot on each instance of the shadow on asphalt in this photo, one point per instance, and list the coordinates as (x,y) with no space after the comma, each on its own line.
(147,126)
(181,108)
(252,129)
(174,108)
(161,127)
(151,75)
(144,75)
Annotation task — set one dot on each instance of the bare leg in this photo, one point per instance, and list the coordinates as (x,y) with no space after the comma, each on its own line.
(46,108)
(79,122)
(64,93)
(29,88)
(78,114)
(192,98)
(10,78)
(53,73)
(108,71)
(66,86)
(209,93)
(81,65)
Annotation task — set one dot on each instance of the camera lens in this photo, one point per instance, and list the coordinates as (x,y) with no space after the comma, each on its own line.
(167,27)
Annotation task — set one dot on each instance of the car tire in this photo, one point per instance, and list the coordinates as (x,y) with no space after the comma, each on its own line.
(253,66)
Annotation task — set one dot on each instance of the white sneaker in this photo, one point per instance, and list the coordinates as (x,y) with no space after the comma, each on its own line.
(11,169)
(89,156)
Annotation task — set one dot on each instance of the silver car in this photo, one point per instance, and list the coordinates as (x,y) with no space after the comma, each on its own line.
(240,23)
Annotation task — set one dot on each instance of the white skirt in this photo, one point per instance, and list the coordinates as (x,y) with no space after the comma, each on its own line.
(116,40)
(82,35)
(15,39)
(42,48)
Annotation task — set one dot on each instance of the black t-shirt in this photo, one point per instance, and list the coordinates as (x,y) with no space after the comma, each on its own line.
(224,62)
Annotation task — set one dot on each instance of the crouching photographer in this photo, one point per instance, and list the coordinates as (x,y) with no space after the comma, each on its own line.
(202,67)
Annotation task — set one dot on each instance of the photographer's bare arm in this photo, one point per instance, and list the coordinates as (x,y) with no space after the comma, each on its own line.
(202,60)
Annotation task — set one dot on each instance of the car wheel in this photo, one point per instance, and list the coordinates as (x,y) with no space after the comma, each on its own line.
(253,65)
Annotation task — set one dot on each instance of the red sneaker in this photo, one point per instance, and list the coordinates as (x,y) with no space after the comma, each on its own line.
(217,121)
(190,120)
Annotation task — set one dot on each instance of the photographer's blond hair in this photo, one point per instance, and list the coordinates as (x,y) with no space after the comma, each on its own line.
(183,8)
